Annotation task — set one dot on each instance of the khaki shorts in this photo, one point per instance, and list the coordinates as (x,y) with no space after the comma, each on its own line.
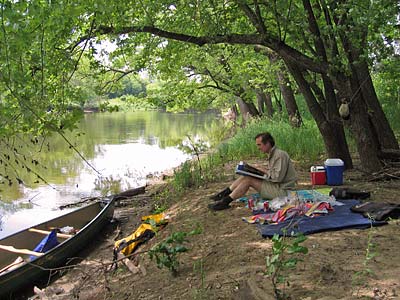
(271,190)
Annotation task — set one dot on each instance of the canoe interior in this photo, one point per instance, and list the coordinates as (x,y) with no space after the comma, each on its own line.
(25,239)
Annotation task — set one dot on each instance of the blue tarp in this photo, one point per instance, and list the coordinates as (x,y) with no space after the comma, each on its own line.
(341,218)
(46,244)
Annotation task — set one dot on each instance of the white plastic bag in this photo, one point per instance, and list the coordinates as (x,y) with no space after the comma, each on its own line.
(280,202)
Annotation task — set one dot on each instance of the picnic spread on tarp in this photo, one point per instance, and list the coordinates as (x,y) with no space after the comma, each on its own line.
(309,211)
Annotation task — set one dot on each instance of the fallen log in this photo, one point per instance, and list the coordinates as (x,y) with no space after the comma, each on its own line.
(130,193)
(85,200)
(120,196)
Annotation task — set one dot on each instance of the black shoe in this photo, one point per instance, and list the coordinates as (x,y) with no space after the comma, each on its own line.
(221,204)
(221,195)
(349,193)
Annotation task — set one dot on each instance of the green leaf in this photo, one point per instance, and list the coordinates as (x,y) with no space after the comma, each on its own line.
(180,248)
(297,249)
(290,263)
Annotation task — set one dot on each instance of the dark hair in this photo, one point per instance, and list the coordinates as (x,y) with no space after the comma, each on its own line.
(265,138)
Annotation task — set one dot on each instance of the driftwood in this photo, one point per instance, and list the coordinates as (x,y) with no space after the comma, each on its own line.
(85,200)
(127,202)
(39,293)
(130,193)
(120,196)
(129,264)
(131,267)
(387,173)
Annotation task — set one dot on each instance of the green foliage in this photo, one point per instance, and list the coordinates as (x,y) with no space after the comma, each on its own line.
(193,174)
(387,85)
(194,147)
(107,107)
(133,103)
(187,176)
(161,201)
(166,253)
(284,257)
(301,143)
(35,70)
(129,86)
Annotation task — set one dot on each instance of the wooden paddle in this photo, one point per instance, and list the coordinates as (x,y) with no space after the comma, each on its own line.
(13,265)
(60,235)
(21,251)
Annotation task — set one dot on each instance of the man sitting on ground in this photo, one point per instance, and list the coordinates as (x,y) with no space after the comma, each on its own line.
(280,176)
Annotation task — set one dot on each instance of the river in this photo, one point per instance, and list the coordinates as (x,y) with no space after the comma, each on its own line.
(120,150)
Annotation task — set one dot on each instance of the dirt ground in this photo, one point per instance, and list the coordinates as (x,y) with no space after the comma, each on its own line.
(227,260)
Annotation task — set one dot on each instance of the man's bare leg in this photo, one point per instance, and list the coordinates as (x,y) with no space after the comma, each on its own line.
(241,186)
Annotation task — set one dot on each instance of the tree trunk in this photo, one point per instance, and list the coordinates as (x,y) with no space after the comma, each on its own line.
(329,123)
(278,101)
(365,134)
(260,102)
(264,102)
(290,101)
(247,110)
(360,123)
(361,98)
(332,130)
(235,111)
(360,72)
(367,145)
(286,91)
(386,136)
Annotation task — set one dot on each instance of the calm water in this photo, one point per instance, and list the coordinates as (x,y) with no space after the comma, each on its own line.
(121,149)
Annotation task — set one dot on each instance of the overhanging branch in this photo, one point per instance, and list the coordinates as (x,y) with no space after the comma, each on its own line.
(271,42)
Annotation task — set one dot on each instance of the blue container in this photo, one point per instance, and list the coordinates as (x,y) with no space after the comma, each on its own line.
(334,171)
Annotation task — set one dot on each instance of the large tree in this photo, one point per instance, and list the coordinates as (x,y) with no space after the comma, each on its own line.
(330,65)
(326,46)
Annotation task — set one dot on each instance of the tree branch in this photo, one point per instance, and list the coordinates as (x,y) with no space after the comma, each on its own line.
(254,17)
(83,49)
(241,39)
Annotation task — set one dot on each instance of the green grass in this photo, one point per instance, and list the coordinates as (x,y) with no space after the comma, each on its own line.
(303,144)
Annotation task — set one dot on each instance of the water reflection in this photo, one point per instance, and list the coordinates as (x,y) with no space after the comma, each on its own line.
(122,147)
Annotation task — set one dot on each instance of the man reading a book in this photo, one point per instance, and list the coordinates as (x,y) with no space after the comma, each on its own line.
(280,176)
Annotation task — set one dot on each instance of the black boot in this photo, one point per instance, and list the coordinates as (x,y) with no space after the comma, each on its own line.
(349,193)
(221,204)
(221,195)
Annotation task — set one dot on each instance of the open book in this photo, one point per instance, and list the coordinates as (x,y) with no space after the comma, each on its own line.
(247,170)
